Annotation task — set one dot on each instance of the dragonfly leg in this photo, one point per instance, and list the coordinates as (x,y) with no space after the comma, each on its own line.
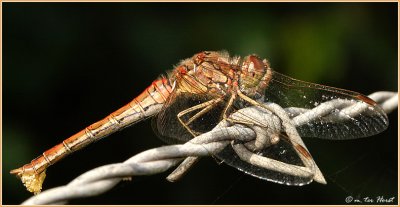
(205,110)
(232,120)
(206,106)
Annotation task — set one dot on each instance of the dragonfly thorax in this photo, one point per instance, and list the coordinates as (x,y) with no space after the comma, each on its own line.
(207,72)
(218,73)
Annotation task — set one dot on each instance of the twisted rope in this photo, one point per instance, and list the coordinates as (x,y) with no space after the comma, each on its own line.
(158,160)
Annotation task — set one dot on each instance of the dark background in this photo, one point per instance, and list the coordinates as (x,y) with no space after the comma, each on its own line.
(66,65)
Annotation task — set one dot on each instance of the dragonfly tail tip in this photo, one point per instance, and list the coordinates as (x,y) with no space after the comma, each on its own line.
(33,181)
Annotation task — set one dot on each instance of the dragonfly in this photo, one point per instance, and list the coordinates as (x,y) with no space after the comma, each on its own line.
(209,87)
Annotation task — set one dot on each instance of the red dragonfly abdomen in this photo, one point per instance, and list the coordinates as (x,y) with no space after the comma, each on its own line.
(147,104)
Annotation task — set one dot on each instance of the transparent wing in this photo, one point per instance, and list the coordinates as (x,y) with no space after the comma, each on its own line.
(359,116)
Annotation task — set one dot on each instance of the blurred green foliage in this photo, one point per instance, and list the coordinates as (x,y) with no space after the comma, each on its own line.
(66,65)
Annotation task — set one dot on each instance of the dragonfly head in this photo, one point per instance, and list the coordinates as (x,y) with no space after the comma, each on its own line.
(253,75)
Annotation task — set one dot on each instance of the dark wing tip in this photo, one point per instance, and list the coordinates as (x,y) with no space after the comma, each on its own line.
(366,100)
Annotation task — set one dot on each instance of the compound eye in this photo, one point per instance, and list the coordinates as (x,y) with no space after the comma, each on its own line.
(257,63)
